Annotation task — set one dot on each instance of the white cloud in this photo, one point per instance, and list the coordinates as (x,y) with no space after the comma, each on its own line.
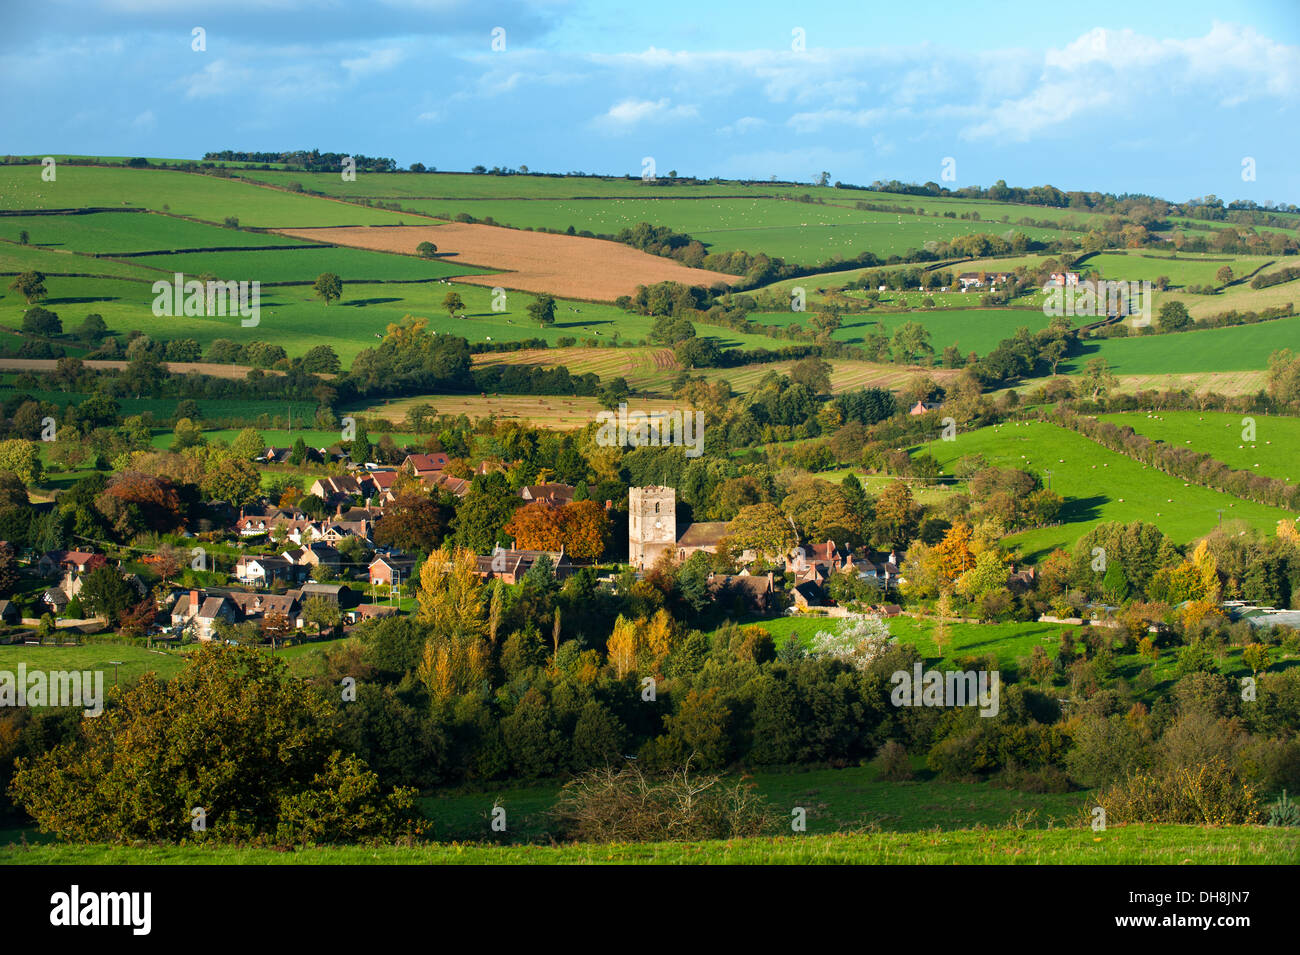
(376,61)
(634,112)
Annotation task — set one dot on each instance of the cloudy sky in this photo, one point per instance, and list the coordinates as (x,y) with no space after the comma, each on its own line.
(1160,98)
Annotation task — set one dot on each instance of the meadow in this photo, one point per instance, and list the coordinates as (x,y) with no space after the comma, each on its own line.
(1118,845)
(204,197)
(1098,486)
(1220,435)
(970,329)
(16,258)
(135,661)
(117,232)
(1182,269)
(1235,348)
(802,232)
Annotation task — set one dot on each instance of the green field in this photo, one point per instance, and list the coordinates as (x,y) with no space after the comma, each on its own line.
(1118,845)
(1098,485)
(808,233)
(1185,268)
(108,232)
(1272,453)
(188,194)
(970,329)
(1237,348)
(135,661)
(304,265)
(291,316)
(22,258)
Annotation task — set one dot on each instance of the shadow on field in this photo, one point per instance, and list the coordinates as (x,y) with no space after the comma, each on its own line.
(1082,508)
(80,300)
(363,302)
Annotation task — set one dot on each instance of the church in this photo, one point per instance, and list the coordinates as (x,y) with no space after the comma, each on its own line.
(652,528)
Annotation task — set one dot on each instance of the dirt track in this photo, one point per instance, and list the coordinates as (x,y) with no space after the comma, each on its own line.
(565,265)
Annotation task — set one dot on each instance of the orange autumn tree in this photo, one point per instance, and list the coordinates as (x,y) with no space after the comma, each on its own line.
(579,528)
(954,551)
(537,526)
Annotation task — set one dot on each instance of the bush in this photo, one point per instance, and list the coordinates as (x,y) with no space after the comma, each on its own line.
(892,762)
(1284,812)
(1206,795)
(628,806)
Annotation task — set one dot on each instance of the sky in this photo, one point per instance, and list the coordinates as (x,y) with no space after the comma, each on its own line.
(1178,100)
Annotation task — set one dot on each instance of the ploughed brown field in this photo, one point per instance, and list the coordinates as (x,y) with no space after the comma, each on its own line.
(569,266)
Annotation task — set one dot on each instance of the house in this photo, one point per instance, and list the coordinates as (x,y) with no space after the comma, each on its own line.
(334,490)
(319,552)
(420,465)
(9,612)
(261,570)
(747,593)
(808,594)
(437,479)
(556,494)
(1066,279)
(509,566)
(56,599)
(200,612)
(55,562)
(921,407)
(384,568)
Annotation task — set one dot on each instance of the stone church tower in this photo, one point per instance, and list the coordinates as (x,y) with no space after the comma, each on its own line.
(651,524)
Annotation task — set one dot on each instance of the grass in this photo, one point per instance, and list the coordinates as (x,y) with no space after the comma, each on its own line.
(136,661)
(1182,269)
(105,232)
(1118,845)
(976,330)
(203,197)
(1218,434)
(304,265)
(1098,485)
(1238,348)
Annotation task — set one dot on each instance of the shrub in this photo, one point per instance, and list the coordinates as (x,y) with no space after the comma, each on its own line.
(892,762)
(627,805)
(1209,794)
(1284,812)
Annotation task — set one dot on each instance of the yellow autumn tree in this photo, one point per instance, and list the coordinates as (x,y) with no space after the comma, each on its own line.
(1289,530)
(621,647)
(1207,571)
(457,655)
(954,552)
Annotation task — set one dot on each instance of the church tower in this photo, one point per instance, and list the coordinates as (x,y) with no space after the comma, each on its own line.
(651,524)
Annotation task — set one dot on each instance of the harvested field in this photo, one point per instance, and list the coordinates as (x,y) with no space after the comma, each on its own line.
(564,265)
(557,413)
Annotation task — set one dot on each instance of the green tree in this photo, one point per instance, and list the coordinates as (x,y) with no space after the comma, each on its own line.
(911,340)
(328,287)
(426,250)
(1097,380)
(453,303)
(542,310)
(1173,317)
(232,734)
(248,444)
(22,458)
(30,285)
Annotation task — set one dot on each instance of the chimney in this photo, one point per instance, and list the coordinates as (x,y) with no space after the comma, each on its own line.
(194,602)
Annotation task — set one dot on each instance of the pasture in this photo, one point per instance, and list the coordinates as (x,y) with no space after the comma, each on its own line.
(1220,435)
(304,265)
(1182,269)
(135,661)
(115,232)
(1098,486)
(1235,348)
(970,329)
(209,198)
(554,413)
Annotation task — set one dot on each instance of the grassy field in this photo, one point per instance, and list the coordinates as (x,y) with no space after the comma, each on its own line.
(188,194)
(1182,269)
(303,265)
(129,232)
(1240,348)
(1272,453)
(291,316)
(22,258)
(1098,485)
(1118,845)
(135,661)
(970,329)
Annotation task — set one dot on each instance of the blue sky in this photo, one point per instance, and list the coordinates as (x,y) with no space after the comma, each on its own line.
(1167,99)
